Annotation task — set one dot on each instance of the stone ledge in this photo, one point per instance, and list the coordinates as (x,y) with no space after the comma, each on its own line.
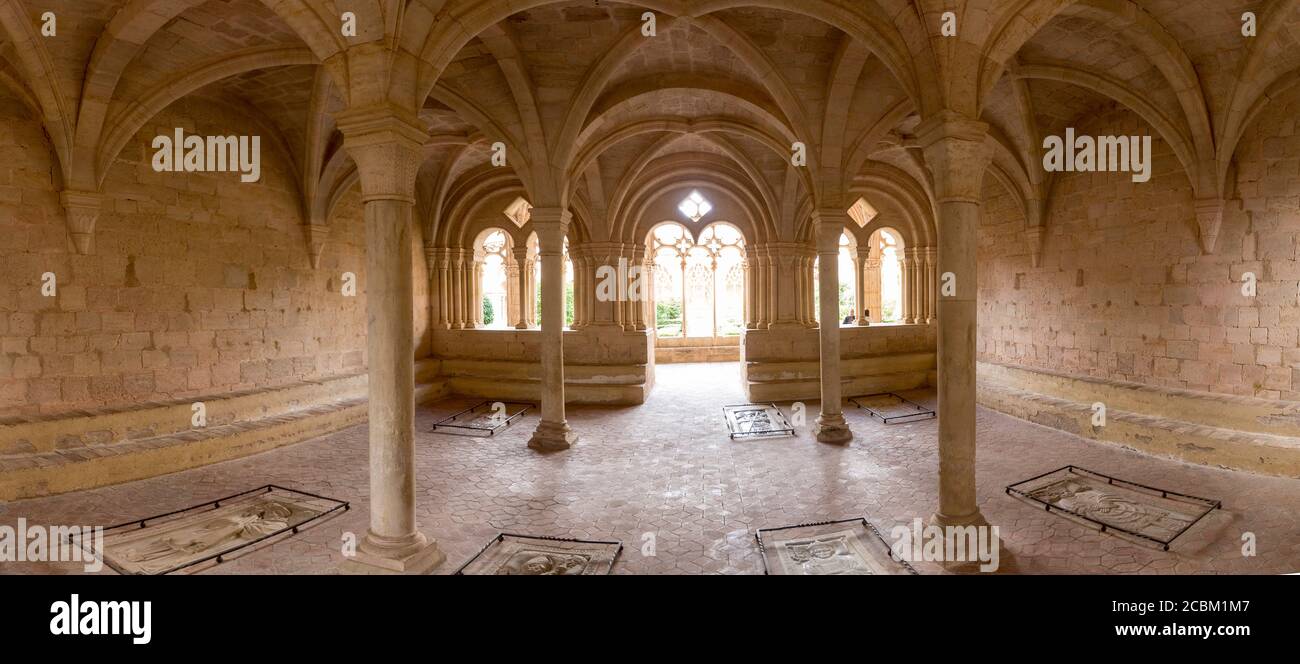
(1150,434)
(1237,413)
(76,468)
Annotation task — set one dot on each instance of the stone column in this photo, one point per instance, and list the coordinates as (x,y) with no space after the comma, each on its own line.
(386,145)
(513,294)
(869,277)
(956,155)
(553,433)
(523,286)
(531,306)
(454,304)
(829,226)
(931,284)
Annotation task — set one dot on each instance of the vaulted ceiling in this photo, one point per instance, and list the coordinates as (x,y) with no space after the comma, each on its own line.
(586,102)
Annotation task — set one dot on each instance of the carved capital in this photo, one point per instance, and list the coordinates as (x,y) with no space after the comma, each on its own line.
(82,209)
(957,154)
(551,225)
(385,142)
(1209,217)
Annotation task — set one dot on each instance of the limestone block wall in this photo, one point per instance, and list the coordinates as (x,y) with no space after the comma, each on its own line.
(198,285)
(781,364)
(1124,291)
(601,365)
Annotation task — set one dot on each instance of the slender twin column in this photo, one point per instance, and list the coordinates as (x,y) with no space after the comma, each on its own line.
(524,287)
(553,433)
(956,153)
(385,142)
(829,226)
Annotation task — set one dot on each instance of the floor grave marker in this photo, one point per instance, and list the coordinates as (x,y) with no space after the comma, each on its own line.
(892,408)
(852,547)
(523,555)
(483,420)
(212,531)
(757,421)
(1115,506)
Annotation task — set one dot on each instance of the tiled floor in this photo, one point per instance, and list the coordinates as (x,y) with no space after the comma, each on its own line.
(668,469)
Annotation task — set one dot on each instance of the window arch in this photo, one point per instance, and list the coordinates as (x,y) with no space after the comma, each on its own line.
(890,246)
(699,283)
(568,285)
(847,277)
(492,254)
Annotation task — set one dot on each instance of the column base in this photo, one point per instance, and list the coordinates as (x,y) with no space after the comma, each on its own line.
(973,519)
(552,437)
(376,555)
(833,429)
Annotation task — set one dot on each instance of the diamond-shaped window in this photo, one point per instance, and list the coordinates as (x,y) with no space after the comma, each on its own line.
(695,207)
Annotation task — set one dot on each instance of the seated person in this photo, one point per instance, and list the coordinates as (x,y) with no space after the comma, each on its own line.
(849,319)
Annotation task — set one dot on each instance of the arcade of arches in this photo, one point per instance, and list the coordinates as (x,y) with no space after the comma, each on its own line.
(631,224)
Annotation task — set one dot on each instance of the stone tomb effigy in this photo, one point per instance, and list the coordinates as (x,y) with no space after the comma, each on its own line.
(213,531)
(1115,506)
(523,555)
(757,421)
(852,547)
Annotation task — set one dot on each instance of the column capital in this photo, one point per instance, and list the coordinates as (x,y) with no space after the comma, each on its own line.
(82,209)
(551,224)
(385,141)
(828,237)
(957,154)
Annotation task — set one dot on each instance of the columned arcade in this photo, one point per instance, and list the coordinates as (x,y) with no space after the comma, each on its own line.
(627,217)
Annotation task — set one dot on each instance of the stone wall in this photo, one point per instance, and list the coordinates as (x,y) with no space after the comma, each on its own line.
(781,364)
(1124,291)
(601,365)
(198,284)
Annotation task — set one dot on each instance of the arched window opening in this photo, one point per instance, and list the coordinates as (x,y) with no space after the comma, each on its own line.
(493,256)
(848,282)
(568,288)
(891,276)
(699,284)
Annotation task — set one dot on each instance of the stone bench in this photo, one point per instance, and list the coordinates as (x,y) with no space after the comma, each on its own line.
(86,449)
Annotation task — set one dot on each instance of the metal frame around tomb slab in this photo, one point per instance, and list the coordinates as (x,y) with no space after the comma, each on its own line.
(922,413)
(1208,504)
(446,425)
(762,547)
(221,556)
(783,428)
(501,537)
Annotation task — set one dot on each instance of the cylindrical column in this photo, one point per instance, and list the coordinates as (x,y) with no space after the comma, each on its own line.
(955,150)
(553,433)
(386,145)
(524,300)
(831,426)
